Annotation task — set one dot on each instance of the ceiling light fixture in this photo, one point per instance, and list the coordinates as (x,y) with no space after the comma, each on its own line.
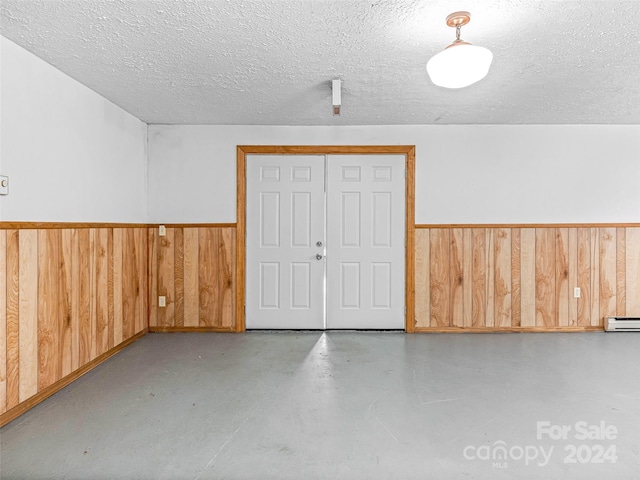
(460,64)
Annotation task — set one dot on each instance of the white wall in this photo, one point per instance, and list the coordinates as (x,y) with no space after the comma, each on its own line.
(71,155)
(464,174)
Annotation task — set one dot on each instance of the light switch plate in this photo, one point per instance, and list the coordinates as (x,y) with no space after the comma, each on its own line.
(4,185)
(576,292)
(162,230)
(162,301)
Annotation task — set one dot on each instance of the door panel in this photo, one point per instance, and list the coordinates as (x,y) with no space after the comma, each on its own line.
(366,244)
(285,219)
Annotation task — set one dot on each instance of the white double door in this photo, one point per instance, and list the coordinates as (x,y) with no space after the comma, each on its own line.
(325,242)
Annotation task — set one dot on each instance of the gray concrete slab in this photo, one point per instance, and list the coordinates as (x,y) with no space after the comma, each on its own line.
(342,405)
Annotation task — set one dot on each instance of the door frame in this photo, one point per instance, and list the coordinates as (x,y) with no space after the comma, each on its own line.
(409,151)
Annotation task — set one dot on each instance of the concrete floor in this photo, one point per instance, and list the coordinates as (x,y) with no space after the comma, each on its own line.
(342,405)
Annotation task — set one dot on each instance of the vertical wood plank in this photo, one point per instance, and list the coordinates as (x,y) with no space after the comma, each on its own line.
(13,318)
(584,276)
(621,272)
(28,314)
(226,270)
(142,248)
(528,277)
(3,321)
(166,280)
(479,275)
(572,278)
(129,282)
(516,306)
(208,246)
(502,277)
(545,278)
(117,285)
(81,296)
(422,278)
(608,278)
(152,238)
(467,277)
(65,287)
(101,292)
(595,278)
(632,268)
(456,278)
(93,287)
(179,276)
(48,324)
(562,276)
(490,313)
(110,291)
(439,275)
(191,280)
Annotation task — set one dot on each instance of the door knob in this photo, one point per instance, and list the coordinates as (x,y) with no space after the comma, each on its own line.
(318,243)
(318,257)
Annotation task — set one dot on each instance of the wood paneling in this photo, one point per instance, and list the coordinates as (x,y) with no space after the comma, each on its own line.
(439,276)
(523,278)
(456,277)
(3,323)
(152,267)
(562,276)
(423,283)
(502,278)
(478,275)
(191,282)
(572,275)
(545,277)
(621,271)
(118,241)
(632,269)
(584,276)
(196,268)
(608,278)
(62,294)
(48,340)
(28,313)
(528,277)
(166,278)
(13,317)
(516,259)
(65,286)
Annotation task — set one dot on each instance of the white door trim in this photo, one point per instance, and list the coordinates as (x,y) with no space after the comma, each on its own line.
(243,150)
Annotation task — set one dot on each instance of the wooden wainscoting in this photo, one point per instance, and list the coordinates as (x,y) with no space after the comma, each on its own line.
(69,298)
(521,277)
(193,267)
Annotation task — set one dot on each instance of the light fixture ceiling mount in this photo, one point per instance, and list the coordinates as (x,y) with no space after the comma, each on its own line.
(463,65)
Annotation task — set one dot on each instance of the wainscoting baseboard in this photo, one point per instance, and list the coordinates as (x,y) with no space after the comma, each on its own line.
(42,395)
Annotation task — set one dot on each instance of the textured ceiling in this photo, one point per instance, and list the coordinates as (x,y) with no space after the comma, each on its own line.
(270,62)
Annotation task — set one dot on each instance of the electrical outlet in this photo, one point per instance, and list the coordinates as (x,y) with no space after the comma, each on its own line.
(162,230)
(162,301)
(576,292)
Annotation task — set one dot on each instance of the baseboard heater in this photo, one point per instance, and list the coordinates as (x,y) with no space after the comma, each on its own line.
(622,324)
